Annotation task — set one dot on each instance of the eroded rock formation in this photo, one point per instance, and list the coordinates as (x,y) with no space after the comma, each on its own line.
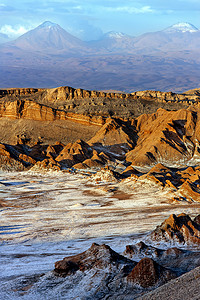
(111,274)
(97,256)
(171,138)
(176,259)
(148,273)
(179,229)
(98,129)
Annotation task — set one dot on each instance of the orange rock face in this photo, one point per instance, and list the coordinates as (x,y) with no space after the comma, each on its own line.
(168,137)
(178,229)
(112,133)
(46,165)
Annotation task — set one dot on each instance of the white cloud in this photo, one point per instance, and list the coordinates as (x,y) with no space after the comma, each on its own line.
(13,31)
(132,10)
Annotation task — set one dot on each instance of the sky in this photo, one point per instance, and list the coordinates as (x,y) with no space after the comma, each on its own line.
(89,19)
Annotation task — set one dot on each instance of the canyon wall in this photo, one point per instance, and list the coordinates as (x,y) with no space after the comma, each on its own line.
(29,110)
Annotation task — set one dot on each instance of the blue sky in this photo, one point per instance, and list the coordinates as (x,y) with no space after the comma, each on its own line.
(89,19)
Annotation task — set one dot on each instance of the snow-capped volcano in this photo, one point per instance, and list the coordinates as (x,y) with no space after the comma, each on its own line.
(181,27)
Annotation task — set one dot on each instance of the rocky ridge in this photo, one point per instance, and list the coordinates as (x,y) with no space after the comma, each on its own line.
(106,160)
(159,148)
(121,274)
(68,93)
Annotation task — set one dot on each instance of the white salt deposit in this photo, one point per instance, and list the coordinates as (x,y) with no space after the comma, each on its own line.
(50,216)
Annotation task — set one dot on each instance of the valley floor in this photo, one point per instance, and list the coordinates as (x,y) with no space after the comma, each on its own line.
(45,217)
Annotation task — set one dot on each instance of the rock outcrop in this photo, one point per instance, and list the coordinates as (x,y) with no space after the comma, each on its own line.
(179,229)
(176,259)
(83,106)
(68,93)
(74,153)
(97,256)
(31,110)
(102,273)
(110,273)
(119,135)
(190,97)
(148,273)
(182,183)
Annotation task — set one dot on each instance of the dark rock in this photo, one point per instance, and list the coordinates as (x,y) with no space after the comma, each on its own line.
(148,273)
(197,219)
(66,267)
(97,256)
(142,250)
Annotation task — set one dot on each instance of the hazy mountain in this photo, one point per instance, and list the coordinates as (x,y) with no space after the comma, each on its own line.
(179,37)
(48,38)
(3,38)
(114,42)
(51,38)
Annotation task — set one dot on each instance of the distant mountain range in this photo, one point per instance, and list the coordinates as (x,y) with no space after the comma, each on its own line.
(49,56)
(51,38)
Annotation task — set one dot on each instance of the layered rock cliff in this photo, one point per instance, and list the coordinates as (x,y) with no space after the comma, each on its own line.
(99,103)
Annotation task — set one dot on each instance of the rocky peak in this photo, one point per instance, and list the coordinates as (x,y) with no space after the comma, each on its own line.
(148,273)
(97,256)
(178,229)
(181,28)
